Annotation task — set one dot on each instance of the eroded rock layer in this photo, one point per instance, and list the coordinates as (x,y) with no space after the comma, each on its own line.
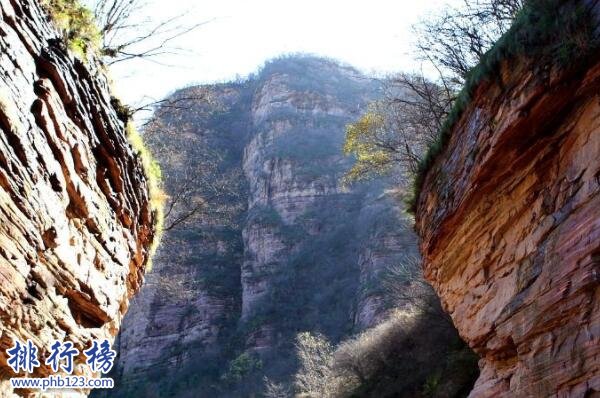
(75,218)
(509,217)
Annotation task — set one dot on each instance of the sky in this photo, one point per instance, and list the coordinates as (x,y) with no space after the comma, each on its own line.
(238,36)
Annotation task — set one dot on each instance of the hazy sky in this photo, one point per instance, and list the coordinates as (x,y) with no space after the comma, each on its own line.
(240,35)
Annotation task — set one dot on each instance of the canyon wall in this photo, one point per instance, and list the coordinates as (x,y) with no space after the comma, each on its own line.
(76,221)
(181,321)
(510,230)
(290,250)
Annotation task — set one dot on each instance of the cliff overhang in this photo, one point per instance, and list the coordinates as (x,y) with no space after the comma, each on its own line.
(510,228)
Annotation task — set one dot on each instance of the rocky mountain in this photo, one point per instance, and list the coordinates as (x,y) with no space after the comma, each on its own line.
(77,224)
(290,249)
(508,217)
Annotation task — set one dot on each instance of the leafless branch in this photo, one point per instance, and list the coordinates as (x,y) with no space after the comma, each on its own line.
(127,35)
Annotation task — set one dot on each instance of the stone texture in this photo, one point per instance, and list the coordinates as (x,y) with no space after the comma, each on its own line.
(76,224)
(179,319)
(280,164)
(509,219)
(301,235)
(385,245)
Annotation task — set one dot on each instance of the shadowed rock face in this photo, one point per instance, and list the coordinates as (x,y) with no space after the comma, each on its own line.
(75,218)
(303,252)
(509,218)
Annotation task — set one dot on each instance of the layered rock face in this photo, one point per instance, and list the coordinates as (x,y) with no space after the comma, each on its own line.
(182,318)
(303,226)
(509,217)
(76,222)
(297,251)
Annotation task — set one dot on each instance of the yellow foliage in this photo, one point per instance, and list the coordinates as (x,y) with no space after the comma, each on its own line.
(361,138)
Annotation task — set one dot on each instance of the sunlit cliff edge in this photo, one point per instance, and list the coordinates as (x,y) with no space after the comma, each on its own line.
(76,225)
(510,232)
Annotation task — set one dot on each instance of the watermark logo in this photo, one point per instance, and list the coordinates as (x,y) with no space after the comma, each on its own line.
(100,357)
(62,352)
(23,357)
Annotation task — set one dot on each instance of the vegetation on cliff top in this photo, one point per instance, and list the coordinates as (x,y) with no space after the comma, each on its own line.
(76,23)
(466,53)
(82,36)
(154,177)
(551,32)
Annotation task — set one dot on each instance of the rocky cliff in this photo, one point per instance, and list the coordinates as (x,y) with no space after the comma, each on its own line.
(510,229)
(76,221)
(296,250)
(180,325)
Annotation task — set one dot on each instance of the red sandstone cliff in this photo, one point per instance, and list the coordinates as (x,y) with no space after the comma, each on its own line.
(509,218)
(75,218)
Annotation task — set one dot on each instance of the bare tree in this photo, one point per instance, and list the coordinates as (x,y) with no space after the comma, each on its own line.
(176,103)
(276,390)
(377,354)
(126,34)
(455,41)
(316,360)
(174,287)
(196,180)
(195,186)
(195,193)
(405,287)
(396,130)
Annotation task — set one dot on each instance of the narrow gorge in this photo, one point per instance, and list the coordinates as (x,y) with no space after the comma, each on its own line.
(309,230)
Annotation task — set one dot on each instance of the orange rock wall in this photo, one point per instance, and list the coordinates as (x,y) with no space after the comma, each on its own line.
(75,222)
(509,219)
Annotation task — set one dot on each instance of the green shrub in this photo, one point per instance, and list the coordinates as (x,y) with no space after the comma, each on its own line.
(242,366)
(432,385)
(77,24)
